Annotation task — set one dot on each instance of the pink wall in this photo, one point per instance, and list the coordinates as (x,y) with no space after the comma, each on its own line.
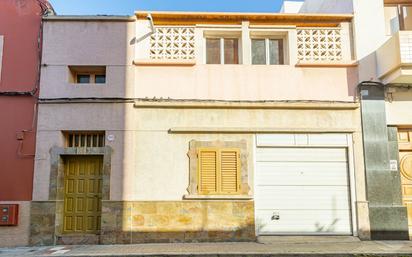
(247,82)
(19,24)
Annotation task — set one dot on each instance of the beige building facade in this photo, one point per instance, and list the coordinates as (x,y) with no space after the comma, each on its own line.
(190,127)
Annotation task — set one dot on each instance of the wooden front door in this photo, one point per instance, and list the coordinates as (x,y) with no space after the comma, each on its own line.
(82,194)
(405,158)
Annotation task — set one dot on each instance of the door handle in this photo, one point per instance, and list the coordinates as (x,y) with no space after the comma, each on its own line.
(275,216)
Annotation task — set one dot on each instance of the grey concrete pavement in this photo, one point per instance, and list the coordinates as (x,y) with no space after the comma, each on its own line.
(278,246)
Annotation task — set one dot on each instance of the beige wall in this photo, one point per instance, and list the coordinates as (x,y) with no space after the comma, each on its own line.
(247,82)
(149,163)
(13,236)
(399,106)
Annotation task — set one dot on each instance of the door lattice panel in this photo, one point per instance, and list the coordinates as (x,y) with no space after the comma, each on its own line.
(82,194)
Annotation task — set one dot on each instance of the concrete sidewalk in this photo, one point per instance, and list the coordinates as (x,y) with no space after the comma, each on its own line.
(282,246)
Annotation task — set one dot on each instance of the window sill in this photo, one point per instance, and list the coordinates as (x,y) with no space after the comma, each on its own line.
(164,62)
(217,197)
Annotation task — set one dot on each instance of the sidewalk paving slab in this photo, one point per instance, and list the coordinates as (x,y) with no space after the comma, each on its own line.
(287,248)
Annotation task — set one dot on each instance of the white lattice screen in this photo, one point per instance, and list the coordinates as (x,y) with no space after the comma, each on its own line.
(173,43)
(319,44)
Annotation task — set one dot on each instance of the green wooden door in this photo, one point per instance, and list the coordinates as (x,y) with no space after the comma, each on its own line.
(82,194)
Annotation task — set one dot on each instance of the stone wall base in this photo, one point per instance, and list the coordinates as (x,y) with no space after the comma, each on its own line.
(177,221)
(389,223)
(42,222)
(126,222)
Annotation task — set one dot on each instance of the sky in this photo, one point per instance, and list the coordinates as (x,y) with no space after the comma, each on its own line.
(127,7)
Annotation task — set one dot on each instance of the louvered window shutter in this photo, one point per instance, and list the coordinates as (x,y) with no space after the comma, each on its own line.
(229,171)
(219,171)
(208,168)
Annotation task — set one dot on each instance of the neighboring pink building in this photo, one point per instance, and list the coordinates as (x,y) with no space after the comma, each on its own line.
(20,34)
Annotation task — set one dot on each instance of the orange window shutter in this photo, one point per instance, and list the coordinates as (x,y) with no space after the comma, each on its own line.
(208,171)
(229,171)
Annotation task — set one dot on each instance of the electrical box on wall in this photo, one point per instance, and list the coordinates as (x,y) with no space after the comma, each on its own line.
(9,214)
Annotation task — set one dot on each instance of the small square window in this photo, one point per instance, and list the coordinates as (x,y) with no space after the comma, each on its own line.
(87,74)
(83,79)
(100,79)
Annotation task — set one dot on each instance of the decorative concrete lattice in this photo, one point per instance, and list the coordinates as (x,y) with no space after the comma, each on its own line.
(173,43)
(320,44)
(405,40)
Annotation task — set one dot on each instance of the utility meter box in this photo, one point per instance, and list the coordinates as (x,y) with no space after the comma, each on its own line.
(9,214)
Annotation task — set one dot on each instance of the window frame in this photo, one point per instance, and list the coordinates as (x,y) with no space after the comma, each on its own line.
(95,80)
(219,182)
(92,78)
(222,48)
(91,71)
(267,40)
(77,81)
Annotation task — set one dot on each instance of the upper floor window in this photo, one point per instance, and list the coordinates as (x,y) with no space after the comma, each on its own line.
(267,51)
(87,74)
(222,51)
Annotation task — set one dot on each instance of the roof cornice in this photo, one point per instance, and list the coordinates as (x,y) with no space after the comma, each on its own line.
(396,2)
(193,18)
(107,18)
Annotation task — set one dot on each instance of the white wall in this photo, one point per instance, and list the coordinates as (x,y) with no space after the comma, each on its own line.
(327,6)
(369,30)
(291,6)
(391,20)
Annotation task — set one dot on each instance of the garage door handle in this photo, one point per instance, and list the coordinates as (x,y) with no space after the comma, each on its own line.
(275,216)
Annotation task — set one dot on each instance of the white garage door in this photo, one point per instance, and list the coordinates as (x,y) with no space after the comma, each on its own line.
(302,191)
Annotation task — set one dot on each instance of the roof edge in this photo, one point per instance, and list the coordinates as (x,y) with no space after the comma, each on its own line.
(143,12)
(89,18)
(301,19)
